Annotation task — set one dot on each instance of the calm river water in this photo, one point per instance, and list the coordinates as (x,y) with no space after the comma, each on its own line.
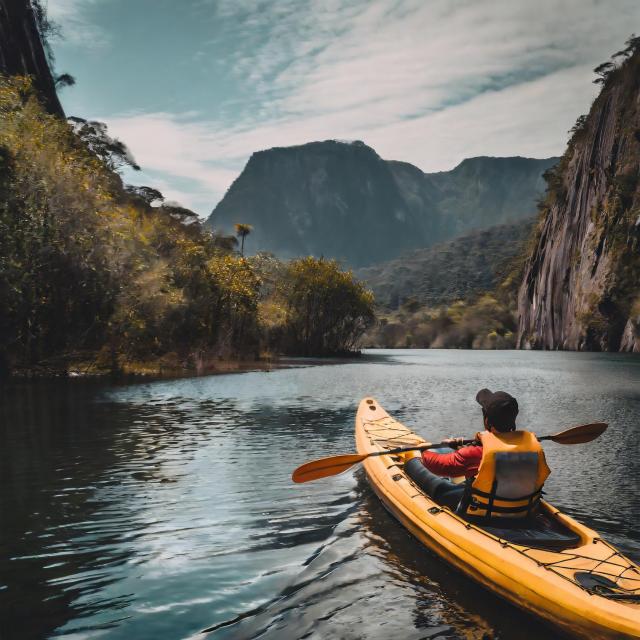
(165,510)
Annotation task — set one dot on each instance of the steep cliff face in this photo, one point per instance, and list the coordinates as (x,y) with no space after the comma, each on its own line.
(22,51)
(342,200)
(581,287)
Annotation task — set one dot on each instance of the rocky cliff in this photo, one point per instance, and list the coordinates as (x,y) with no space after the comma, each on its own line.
(21,48)
(581,287)
(342,200)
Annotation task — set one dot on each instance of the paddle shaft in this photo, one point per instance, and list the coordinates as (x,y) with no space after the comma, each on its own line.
(424,447)
(334,465)
(589,432)
(420,447)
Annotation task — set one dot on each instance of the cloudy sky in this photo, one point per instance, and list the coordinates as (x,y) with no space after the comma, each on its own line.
(195,86)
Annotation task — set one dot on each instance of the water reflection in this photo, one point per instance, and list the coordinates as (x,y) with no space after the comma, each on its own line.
(371,579)
(162,509)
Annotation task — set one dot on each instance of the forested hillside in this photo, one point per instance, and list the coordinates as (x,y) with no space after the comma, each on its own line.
(449,271)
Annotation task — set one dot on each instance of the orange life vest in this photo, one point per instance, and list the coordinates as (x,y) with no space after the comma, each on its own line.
(510,477)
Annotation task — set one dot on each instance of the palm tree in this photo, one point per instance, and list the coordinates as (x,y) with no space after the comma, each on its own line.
(242,231)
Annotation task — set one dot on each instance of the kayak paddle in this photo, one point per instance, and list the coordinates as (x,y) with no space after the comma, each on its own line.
(333,465)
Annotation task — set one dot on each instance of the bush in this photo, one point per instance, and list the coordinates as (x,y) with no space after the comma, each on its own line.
(327,310)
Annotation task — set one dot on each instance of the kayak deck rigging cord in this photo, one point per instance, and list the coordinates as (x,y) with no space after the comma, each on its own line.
(594,580)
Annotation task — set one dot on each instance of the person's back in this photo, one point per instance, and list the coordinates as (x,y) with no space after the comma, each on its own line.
(504,472)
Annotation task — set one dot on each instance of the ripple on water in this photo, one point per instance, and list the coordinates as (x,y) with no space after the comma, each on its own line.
(162,509)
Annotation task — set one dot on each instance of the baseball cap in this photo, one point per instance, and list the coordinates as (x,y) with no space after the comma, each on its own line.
(500,408)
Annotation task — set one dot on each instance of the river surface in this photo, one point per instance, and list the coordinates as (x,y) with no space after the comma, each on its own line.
(165,510)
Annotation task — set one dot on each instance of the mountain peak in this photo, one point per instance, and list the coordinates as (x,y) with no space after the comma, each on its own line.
(340,199)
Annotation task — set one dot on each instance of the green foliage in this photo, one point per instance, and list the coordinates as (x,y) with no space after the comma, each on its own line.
(88,266)
(144,195)
(325,309)
(484,323)
(458,269)
(607,69)
(64,80)
(83,264)
(55,276)
(579,126)
(113,152)
(603,71)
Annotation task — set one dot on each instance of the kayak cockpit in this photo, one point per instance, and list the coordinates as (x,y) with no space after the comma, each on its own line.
(540,531)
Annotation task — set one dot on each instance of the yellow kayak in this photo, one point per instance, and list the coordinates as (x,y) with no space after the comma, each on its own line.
(559,570)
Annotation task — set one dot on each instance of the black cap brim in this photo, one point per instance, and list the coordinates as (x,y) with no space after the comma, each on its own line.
(483,396)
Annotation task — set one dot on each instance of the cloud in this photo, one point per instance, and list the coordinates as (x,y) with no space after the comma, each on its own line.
(177,156)
(427,82)
(77,29)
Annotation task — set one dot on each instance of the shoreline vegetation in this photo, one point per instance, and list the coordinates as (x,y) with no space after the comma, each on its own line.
(99,276)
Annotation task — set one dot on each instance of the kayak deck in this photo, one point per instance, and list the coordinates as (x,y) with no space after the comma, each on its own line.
(587,587)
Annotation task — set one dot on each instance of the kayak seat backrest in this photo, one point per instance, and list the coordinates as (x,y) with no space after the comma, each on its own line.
(509,481)
(516,474)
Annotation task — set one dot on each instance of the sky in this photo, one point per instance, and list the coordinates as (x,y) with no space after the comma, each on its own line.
(194,87)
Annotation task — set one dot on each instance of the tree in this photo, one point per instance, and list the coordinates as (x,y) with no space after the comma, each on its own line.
(148,195)
(90,273)
(603,71)
(327,309)
(114,153)
(242,231)
(64,80)
(579,125)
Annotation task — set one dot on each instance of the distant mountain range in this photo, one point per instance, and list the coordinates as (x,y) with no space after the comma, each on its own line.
(341,200)
(449,271)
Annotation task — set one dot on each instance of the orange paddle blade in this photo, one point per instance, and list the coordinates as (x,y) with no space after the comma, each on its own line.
(325,467)
(578,435)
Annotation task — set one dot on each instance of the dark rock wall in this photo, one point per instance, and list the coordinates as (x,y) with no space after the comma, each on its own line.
(22,51)
(581,284)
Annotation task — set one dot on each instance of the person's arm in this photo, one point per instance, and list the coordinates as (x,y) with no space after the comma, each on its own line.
(463,462)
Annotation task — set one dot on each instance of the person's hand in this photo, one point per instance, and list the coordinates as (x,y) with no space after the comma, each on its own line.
(454,443)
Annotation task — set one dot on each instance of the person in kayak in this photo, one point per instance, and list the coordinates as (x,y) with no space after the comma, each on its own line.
(432,470)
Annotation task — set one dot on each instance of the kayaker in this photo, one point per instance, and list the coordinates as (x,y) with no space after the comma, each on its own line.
(499,411)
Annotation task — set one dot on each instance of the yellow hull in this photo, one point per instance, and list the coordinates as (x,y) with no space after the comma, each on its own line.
(539,581)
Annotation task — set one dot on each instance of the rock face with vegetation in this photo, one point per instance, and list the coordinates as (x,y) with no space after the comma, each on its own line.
(581,287)
(449,271)
(22,49)
(341,200)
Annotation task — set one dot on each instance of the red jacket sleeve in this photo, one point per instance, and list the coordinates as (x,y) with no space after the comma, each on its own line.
(463,462)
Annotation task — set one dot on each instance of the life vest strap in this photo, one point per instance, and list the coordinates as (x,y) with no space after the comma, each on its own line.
(493,508)
(484,494)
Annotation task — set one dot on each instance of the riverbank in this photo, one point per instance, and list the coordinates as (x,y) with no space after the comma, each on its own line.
(91,366)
